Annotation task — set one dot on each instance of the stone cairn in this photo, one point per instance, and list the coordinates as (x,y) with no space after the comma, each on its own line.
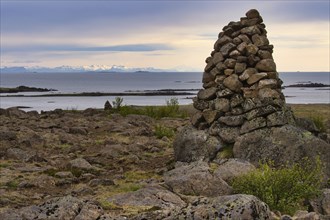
(242,90)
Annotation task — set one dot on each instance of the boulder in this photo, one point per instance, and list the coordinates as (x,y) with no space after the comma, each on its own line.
(229,134)
(191,144)
(222,105)
(196,179)
(207,94)
(67,207)
(237,206)
(282,145)
(256,77)
(232,120)
(228,169)
(149,197)
(80,164)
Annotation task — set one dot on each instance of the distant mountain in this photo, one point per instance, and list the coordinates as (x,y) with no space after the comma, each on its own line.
(13,70)
(90,68)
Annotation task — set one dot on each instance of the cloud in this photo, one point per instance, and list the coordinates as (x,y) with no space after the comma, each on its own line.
(73,48)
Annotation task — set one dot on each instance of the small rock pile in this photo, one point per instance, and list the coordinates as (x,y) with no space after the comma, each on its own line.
(242,89)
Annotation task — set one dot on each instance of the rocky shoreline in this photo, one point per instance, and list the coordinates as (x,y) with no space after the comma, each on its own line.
(24,89)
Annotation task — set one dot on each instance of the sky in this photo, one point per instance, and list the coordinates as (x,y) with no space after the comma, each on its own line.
(160,34)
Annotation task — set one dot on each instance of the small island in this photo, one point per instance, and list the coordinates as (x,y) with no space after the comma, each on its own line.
(307,85)
(24,89)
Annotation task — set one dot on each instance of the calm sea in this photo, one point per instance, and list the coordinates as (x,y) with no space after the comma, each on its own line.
(122,82)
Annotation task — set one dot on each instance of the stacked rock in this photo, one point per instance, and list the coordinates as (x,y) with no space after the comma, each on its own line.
(242,89)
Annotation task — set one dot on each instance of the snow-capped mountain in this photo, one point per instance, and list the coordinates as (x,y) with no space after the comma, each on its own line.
(86,68)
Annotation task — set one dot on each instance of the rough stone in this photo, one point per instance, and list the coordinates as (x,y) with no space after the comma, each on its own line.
(267,65)
(227,48)
(256,77)
(229,134)
(200,104)
(228,72)
(222,41)
(236,100)
(151,196)
(264,54)
(262,111)
(266,93)
(253,13)
(207,77)
(230,63)
(229,169)
(80,163)
(196,179)
(253,124)
(211,115)
(222,105)
(234,54)
(268,83)
(196,119)
(251,30)
(247,73)
(251,49)
(240,67)
(272,144)
(232,82)
(259,40)
(224,93)
(191,144)
(237,206)
(217,57)
(207,94)
(232,120)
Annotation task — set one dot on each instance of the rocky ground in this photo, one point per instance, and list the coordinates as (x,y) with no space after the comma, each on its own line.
(95,165)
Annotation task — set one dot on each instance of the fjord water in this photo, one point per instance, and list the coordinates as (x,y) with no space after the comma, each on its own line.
(140,81)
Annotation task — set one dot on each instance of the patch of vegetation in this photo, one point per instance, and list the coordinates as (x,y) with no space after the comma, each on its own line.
(283,189)
(50,172)
(171,109)
(106,205)
(117,104)
(12,184)
(138,175)
(319,122)
(161,131)
(226,152)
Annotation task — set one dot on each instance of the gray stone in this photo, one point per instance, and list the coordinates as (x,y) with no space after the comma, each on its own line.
(151,196)
(229,169)
(222,105)
(260,40)
(229,134)
(236,111)
(232,120)
(247,73)
(191,144)
(252,13)
(237,40)
(236,100)
(217,57)
(253,60)
(283,144)
(276,119)
(266,93)
(196,179)
(261,111)
(232,82)
(222,41)
(268,83)
(230,63)
(251,30)
(221,66)
(242,59)
(251,49)
(227,48)
(264,54)
(200,104)
(228,72)
(219,79)
(215,71)
(209,66)
(245,38)
(234,54)
(242,47)
(207,77)
(81,164)
(253,124)
(207,94)
(256,77)
(240,67)
(267,65)
(210,115)
(249,93)
(67,207)
(237,206)
(224,93)
(196,119)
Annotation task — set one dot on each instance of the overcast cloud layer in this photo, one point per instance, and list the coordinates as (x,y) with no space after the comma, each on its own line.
(162,34)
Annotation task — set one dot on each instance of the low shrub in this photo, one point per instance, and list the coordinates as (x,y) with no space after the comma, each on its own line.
(161,131)
(283,189)
(319,123)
